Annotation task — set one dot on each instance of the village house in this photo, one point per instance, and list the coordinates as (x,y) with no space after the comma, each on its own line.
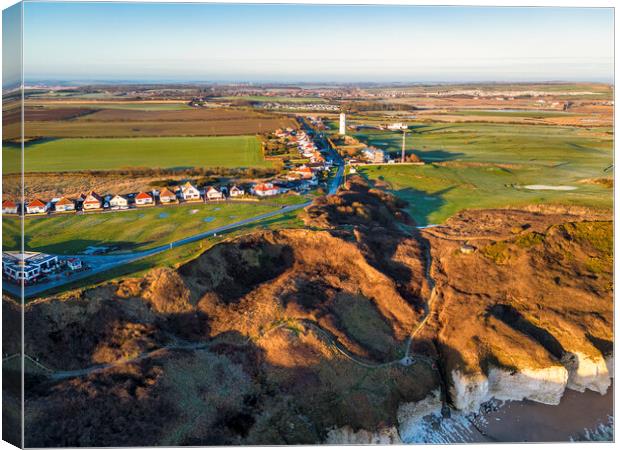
(167,196)
(36,207)
(144,199)
(92,201)
(374,155)
(213,194)
(265,189)
(9,207)
(64,205)
(119,202)
(189,192)
(74,263)
(236,191)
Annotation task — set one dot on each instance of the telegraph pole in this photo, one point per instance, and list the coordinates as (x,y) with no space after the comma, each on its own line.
(402,158)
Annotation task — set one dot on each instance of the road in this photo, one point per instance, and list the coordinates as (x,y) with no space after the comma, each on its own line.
(101,264)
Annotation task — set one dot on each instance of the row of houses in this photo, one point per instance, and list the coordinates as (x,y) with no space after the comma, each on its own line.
(92,201)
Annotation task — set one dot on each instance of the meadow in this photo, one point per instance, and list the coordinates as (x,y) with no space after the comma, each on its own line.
(488,166)
(131,230)
(66,155)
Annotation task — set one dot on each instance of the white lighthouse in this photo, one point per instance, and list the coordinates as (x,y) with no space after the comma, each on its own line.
(343,124)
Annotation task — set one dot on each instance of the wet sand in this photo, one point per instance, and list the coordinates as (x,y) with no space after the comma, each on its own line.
(529,421)
(579,416)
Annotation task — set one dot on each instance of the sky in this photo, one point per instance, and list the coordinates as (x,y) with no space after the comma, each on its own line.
(314,43)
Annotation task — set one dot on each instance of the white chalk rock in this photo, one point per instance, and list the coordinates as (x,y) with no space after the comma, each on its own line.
(411,415)
(586,372)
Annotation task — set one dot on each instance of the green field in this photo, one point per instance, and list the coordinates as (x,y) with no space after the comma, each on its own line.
(487,165)
(131,230)
(585,150)
(109,154)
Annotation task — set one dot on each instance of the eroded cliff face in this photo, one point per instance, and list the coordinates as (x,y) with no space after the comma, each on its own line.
(528,313)
(356,331)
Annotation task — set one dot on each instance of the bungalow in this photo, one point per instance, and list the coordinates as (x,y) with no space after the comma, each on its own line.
(167,196)
(265,189)
(64,204)
(236,191)
(74,263)
(189,192)
(92,201)
(119,202)
(9,207)
(144,199)
(36,207)
(213,194)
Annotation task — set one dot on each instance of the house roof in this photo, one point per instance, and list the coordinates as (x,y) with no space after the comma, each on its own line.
(264,187)
(235,188)
(213,189)
(142,195)
(187,186)
(36,202)
(8,204)
(165,192)
(64,201)
(92,196)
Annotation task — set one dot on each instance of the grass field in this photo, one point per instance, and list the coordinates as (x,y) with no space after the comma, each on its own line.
(109,154)
(488,165)
(581,148)
(131,230)
(437,192)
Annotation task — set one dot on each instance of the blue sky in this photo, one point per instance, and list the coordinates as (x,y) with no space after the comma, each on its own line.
(193,42)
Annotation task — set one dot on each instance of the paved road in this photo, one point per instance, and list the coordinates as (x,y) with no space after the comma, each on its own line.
(100,264)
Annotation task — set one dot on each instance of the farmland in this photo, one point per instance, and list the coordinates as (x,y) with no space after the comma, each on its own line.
(66,155)
(138,123)
(488,165)
(131,230)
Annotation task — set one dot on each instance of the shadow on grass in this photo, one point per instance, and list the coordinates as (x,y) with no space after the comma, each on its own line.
(78,246)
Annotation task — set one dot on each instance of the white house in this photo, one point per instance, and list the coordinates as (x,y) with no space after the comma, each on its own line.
(119,202)
(265,189)
(74,263)
(36,207)
(189,192)
(236,191)
(64,204)
(167,196)
(213,194)
(9,207)
(144,199)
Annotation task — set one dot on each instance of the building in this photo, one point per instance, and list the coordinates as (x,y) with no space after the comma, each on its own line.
(189,192)
(64,205)
(27,266)
(167,196)
(398,126)
(9,207)
(213,194)
(236,191)
(36,207)
(144,199)
(265,189)
(343,124)
(74,263)
(119,202)
(92,201)
(374,155)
